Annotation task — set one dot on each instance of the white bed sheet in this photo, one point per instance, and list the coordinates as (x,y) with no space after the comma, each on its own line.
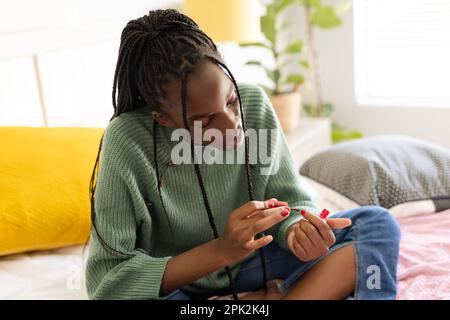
(59,274)
(54,274)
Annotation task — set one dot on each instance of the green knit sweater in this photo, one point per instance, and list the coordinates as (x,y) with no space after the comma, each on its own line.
(130,216)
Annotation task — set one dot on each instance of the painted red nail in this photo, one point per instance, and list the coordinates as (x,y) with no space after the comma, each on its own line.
(284,213)
(324,214)
(270,204)
(303,212)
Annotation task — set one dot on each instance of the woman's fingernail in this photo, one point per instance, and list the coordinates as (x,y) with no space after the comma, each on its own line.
(303,212)
(285,212)
(270,204)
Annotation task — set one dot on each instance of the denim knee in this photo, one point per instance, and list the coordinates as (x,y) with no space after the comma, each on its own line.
(381,218)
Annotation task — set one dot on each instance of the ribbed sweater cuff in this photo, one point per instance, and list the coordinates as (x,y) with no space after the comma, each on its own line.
(294,217)
(152,271)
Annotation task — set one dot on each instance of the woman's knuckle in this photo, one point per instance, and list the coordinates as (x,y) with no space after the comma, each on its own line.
(323,227)
(311,229)
(253,205)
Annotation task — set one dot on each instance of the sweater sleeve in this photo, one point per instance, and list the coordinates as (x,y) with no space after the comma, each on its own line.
(130,273)
(284,180)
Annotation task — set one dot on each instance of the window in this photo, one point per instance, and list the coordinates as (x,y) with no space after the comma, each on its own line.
(402,52)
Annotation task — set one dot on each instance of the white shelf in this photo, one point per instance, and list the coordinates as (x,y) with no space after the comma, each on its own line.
(310,137)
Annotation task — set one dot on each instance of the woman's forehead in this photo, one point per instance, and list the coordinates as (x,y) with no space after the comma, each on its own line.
(207,89)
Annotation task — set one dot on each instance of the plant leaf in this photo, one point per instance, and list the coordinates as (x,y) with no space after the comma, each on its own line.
(273,75)
(324,17)
(307,108)
(339,134)
(255,44)
(327,109)
(295,79)
(254,62)
(268,21)
(294,47)
(304,64)
(268,24)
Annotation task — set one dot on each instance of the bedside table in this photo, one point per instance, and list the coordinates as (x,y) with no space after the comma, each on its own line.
(310,137)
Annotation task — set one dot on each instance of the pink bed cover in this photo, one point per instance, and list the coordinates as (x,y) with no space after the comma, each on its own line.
(424,264)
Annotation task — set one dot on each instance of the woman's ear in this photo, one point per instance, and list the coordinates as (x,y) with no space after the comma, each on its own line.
(162,119)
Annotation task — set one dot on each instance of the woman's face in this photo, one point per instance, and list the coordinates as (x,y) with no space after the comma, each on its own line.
(211,100)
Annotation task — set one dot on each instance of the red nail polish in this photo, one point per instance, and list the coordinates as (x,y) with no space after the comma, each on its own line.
(270,204)
(284,213)
(303,212)
(324,214)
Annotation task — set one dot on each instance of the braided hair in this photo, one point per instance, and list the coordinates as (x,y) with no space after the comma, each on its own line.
(155,49)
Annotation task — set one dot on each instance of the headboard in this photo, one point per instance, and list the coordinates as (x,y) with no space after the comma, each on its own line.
(57,59)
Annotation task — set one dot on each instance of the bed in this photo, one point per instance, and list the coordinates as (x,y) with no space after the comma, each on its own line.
(423,270)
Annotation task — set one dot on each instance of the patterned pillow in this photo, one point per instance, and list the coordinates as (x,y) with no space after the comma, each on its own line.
(384,170)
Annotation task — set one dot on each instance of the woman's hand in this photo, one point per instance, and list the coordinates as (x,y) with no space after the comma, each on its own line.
(238,240)
(310,238)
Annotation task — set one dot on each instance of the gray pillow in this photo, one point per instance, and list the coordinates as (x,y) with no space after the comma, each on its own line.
(384,170)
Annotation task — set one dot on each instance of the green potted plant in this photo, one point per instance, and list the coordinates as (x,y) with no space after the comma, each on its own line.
(318,15)
(284,91)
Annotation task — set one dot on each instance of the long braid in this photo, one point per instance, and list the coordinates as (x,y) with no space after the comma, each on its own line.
(155,49)
(248,170)
(200,181)
(158,178)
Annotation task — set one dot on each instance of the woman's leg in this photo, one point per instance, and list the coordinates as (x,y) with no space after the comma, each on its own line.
(374,239)
(321,281)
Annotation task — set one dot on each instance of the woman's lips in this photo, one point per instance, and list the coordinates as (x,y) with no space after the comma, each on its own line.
(230,140)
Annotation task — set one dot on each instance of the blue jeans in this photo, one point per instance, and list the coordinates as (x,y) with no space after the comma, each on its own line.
(374,235)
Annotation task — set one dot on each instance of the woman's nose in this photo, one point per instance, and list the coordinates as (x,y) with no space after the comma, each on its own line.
(231,122)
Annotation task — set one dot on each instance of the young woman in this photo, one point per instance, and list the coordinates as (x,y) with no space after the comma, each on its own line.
(169,230)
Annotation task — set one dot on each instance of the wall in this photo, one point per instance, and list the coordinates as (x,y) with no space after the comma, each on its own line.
(337,70)
(72,46)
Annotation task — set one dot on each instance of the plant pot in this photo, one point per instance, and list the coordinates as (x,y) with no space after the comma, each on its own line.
(288,109)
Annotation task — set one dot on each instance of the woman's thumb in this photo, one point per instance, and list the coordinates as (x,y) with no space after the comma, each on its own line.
(338,223)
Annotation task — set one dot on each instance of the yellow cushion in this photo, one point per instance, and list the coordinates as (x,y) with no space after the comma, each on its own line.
(44,186)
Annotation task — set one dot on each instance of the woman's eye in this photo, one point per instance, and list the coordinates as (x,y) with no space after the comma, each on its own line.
(232,101)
